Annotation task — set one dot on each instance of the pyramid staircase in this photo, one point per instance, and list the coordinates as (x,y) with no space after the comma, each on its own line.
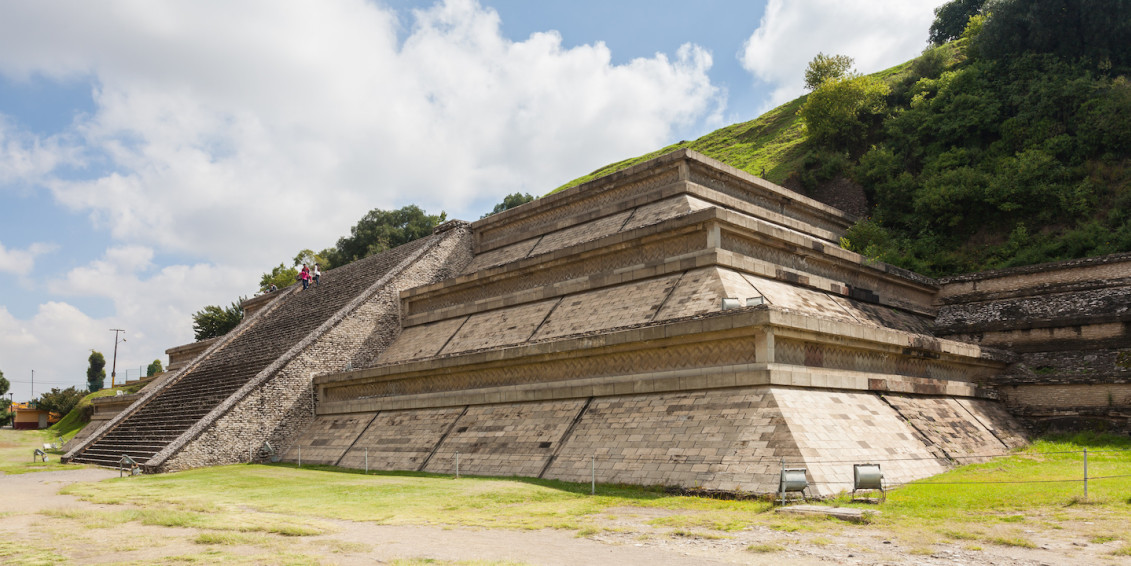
(161,417)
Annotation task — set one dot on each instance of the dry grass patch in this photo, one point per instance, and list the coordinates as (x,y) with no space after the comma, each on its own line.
(1015,540)
(339,546)
(433,562)
(171,516)
(765,548)
(19,553)
(681,533)
(712,521)
(233,538)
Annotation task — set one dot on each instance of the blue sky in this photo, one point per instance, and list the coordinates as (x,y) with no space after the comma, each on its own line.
(158,157)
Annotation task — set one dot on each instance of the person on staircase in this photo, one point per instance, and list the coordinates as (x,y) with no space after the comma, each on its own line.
(304,276)
(316,274)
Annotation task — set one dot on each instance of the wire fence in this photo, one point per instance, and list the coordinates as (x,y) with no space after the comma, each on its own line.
(617,466)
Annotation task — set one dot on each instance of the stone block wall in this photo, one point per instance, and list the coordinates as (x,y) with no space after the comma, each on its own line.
(722,439)
(1069,324)
(401,440)
(181,356)
(507,439)
(733,439)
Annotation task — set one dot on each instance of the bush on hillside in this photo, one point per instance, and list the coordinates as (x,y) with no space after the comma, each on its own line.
(213,321)
(60,400)
(843,112)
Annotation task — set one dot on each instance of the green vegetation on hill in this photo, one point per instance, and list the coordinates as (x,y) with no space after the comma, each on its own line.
(79,416)
(773,141)
(1010,145)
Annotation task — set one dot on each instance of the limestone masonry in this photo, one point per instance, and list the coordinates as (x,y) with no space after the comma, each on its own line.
(677,323)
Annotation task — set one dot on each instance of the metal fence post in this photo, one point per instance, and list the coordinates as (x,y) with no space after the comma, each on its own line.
(300,456)
(593,475)
(1085,473)
(367,460)
(457,465)
(781,484)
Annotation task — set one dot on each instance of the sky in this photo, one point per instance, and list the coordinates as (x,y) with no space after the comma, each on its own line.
(157,157)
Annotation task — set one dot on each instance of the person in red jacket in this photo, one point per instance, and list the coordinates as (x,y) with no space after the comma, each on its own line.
(305,277)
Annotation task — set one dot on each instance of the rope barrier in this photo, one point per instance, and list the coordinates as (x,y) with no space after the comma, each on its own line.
(468,461)
(697,459)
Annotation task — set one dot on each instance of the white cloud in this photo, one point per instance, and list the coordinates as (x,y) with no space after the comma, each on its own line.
(55,342)
(21,262)
(153,305)
(25,158)
(877,34)
(162,300)
(243,132)
(240,133)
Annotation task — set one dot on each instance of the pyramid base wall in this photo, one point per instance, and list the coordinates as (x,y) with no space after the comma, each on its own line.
(733,439)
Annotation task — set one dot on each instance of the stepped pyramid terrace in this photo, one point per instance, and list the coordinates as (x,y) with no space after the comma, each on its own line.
(678,323)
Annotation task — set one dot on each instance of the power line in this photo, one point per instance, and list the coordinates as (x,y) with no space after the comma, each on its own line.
(44,382)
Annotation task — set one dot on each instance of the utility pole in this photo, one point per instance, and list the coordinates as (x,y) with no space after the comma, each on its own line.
(114,368)
(33,385)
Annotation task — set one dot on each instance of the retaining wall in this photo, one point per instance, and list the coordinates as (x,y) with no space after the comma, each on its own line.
(1069,324)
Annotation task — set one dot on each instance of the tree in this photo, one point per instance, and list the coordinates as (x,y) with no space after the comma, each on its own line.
(95,372)
(6,410)
(309,258)
(1097,31)
(824,68)
(280,276)
(154,368)
(213,321)
(380,230)
(60,400)
(841,112)
(510,201)
(951,19)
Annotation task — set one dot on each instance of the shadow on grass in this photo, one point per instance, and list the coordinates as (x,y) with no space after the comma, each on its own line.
(623,491)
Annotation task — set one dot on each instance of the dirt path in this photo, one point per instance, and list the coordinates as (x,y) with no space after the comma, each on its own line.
(629,539)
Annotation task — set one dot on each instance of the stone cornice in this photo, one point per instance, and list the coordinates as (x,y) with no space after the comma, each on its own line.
(814,264)
(748,322)
(577,204)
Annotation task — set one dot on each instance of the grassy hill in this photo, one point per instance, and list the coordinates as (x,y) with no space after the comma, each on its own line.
(773,140)
(968,162)
(79,417)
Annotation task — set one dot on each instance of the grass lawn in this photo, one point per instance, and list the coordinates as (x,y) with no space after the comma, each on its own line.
(973,505)
(18,446)
(1006,500)
(73,422)
(1012,504)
